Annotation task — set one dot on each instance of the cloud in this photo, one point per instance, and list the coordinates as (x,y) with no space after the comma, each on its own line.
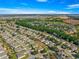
(73,6)
(31,11)
(19,11)
(42,0)
(58,12)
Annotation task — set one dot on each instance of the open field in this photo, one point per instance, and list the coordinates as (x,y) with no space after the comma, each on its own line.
(72,21)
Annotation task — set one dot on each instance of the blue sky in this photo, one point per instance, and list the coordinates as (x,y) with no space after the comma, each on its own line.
(39,6)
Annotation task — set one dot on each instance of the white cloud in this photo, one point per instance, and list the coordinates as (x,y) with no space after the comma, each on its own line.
(58,12)
(31,11)
(19,11)
(73,6)
(42,0)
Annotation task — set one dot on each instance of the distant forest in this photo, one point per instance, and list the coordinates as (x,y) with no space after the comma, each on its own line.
(75,17)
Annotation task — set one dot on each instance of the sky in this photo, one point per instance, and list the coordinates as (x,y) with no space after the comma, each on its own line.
(39,6)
